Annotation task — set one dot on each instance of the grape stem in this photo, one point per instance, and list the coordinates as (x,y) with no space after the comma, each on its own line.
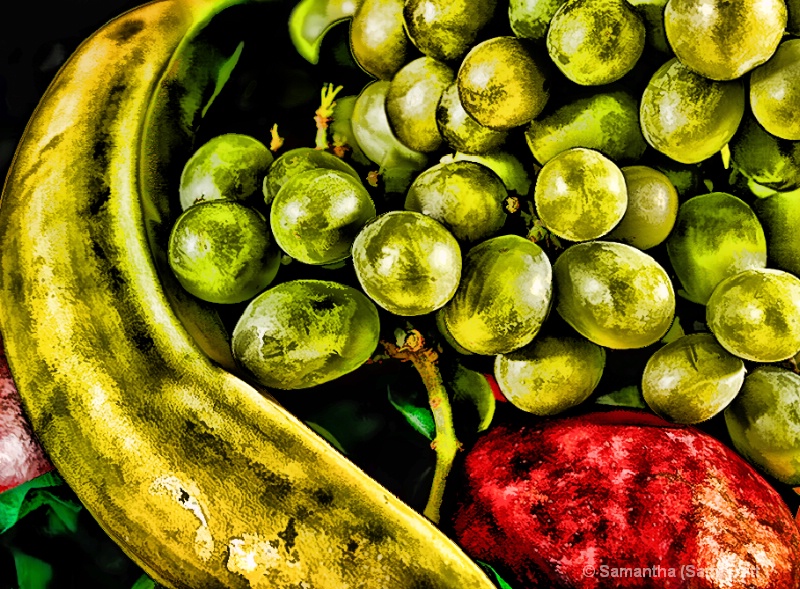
(445,443)
(324,114)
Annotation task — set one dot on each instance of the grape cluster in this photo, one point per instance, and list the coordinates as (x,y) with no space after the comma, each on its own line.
(623,163)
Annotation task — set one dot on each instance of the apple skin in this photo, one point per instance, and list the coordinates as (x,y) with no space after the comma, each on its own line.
(21,456)
(551,503)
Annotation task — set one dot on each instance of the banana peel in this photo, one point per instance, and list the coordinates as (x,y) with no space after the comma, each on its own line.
(201,479)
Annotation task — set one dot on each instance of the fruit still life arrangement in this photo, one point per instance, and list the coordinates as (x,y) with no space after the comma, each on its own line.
(417,294)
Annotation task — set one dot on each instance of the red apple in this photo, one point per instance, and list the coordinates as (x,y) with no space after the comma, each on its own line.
(622,499)
(21,456)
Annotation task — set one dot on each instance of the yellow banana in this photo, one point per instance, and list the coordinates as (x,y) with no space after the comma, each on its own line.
(202,480)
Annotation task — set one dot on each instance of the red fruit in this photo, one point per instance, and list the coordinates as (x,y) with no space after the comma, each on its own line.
(21,457)
(622,499)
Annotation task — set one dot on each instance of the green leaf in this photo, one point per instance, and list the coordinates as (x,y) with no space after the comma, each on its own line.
(32,573)
(498,580)
(18,502)
(675,331)
(311,19)
(329,437)
(725,152)
(223,75)
(144,582)
(420,418)
(472,387)
(625,397)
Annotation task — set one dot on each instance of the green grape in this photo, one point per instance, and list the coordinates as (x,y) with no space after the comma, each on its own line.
(551,374)
(607,122)
(764,159)
(723,40)
(580,194)
(764,423)
(715,236)
(755,314)
(374,133)
(299,160)
(378,38)
(460,131)
(595,42)
(445,29)
(613,294)
(407,262)
(411,102)
(652,208)
(691,379)
(504,296)
(303,333)
(501,84)
(506,165)
(775,92)
(223,252)
(529,19)
(688,117)
(780,217)
(229,166)
(317,214)
(467,198)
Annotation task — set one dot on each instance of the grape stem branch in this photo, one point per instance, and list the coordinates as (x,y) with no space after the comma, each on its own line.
(445,443)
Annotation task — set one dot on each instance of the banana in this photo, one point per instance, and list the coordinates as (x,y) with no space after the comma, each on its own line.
(201,479)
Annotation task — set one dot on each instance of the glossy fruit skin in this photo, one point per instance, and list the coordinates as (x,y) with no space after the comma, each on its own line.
(688,117)
(445,29)
(467,198)
(411,102)
(716,235)
(193,480)
(724,40)
(691,379)
(378,38)
(652,208)
(407,262)
(595,42)
(775,92)
(580,194)
(460,131)
(317,214)
(763,158)
(780,216)
(546,501)
(223,252)
(296,161)
(551,374)
(755,314)
(607,122)
(230,166)
(303,333)
(501,84)
(763,422)
(504,296)
(529,19)
(613,294)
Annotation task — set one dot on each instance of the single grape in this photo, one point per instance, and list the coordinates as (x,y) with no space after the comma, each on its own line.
(223,252)
(299,160)
(303,333)
(407,262)
(580,194)
(466,197)
(755,314)
(764,423)
(317,214)
(613,294)
(230,166)
(652,208)
(504,296)
(595,42)
(445,29)
(780,216)
(688,117)
(775,92)
(501,84)
(460,131)
(378,38)
(716,235)
(691,379)
(551,374)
